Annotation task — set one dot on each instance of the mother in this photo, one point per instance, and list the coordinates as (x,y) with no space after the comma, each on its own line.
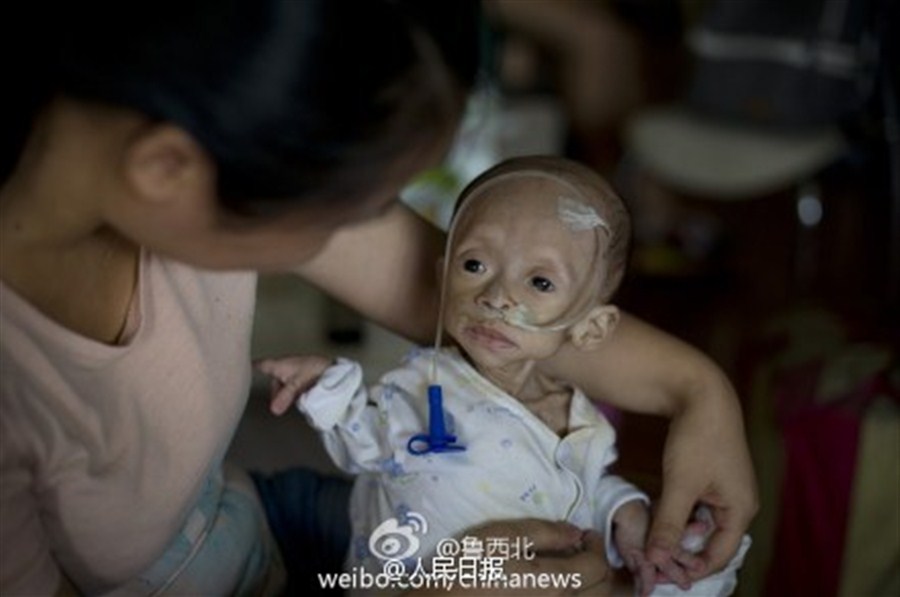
(162,158)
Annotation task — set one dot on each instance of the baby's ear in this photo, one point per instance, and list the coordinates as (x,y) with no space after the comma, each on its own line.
(594,327)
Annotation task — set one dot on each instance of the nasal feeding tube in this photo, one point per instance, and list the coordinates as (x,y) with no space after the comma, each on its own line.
(577,216)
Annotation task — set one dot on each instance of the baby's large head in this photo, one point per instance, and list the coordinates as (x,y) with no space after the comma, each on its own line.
(579,198)
(539,243)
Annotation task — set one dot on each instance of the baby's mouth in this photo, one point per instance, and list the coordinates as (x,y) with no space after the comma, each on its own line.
(488,336)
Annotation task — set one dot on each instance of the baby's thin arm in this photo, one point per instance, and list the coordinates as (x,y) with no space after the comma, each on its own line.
(332,396)
(611,494)
(631,522)
(349,418)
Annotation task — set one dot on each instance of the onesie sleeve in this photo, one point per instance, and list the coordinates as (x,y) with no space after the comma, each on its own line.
(340,407)
(613,492)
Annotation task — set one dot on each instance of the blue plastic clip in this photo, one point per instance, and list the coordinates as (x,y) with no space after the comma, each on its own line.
(437,439)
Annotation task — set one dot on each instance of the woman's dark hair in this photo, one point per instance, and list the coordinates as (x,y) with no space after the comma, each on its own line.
(305,98)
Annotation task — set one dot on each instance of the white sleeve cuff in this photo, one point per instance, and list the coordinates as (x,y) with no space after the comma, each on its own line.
(327,402)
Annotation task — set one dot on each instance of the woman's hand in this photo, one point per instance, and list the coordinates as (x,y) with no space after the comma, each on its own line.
(291,377)
(706,460)
(560,550)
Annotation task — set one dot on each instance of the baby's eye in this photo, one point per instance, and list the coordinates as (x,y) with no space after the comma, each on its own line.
(542,284)
(473,266)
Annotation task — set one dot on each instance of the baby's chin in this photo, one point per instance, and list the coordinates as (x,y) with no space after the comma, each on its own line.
(477,358)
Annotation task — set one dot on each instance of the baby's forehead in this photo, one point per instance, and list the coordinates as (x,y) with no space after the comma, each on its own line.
(525,196)
(531,224)
(518,205)
(506,215)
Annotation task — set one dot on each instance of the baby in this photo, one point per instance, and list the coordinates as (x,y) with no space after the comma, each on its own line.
(536,249)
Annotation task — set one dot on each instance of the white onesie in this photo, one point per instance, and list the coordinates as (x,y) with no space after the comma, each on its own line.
(513,466)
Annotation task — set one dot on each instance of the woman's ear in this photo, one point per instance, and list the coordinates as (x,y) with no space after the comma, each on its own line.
(594,327)
(165,164)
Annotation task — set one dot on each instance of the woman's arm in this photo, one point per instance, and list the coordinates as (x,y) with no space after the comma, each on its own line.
(642,369)
(386,269)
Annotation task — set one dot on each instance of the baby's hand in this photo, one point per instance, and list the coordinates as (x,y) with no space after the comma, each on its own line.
(696,535)
(291,377)
(630,524)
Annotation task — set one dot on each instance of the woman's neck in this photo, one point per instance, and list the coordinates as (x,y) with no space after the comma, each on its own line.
(55,249)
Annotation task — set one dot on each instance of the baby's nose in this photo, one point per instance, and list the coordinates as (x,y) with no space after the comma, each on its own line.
(495,297)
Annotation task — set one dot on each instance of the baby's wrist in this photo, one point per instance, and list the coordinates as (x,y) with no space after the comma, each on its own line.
(628,509)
